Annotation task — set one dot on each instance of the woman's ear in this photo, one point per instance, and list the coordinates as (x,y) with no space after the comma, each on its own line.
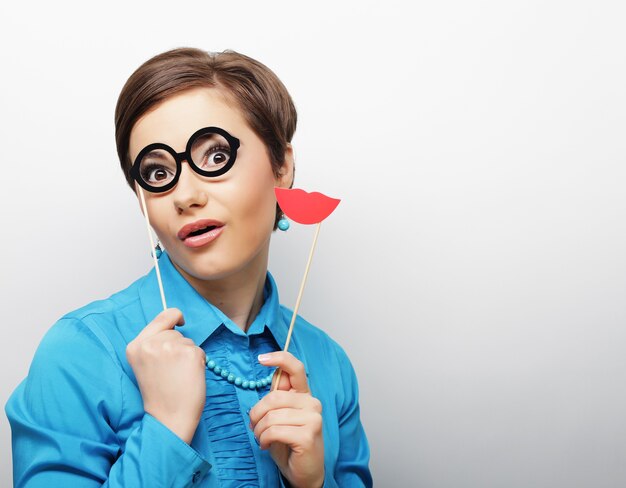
(286,172)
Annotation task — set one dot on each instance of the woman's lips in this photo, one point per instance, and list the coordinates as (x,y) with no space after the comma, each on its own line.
(184,234)
(203,239)
(185,230)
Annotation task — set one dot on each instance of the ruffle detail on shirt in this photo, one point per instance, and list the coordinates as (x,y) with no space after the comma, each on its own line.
(227,432)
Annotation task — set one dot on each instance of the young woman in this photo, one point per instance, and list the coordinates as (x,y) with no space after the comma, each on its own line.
(124,393)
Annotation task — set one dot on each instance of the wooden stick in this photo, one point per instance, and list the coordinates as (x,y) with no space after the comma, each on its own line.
(295,310)
(153,252)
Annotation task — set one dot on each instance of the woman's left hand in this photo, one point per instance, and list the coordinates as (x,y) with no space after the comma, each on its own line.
(288,420)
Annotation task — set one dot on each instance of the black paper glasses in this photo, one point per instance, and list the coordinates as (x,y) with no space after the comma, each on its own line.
(210,152)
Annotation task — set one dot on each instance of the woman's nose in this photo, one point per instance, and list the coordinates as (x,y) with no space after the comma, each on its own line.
(190,190)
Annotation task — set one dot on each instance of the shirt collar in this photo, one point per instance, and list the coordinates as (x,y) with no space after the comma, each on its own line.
(201,317)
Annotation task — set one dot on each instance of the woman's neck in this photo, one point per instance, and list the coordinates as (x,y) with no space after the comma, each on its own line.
(239,296)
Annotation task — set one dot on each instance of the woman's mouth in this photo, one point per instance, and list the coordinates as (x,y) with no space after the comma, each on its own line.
(200,233)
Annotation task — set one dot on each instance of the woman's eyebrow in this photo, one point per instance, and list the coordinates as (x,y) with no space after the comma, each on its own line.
(155,153)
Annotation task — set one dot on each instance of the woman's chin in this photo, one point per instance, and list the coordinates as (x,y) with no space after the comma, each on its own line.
(221,262)
(198,269)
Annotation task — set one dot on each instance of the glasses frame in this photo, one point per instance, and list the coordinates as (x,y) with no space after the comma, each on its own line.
(233,142)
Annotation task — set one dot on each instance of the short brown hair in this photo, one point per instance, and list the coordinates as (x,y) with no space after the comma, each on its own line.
(262,98)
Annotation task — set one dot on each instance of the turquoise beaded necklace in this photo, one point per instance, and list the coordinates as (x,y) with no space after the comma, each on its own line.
(237,380)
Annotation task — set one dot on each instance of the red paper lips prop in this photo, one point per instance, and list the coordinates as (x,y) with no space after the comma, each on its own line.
(303,207)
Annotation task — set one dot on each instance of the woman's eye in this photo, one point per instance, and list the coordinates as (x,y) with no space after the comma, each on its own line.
(158,174)
(217,156)
(155,173)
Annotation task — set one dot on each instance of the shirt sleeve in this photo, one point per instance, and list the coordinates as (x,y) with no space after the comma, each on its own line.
(64,418)
(352,468)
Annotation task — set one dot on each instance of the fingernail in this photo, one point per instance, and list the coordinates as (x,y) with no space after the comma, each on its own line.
(264,357)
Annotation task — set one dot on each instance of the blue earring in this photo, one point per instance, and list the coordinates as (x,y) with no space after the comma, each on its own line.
(283,224)
(158,250)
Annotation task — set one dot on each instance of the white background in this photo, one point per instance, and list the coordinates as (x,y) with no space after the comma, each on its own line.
(475,270)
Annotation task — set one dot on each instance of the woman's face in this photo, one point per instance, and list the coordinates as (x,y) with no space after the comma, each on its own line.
(240,204)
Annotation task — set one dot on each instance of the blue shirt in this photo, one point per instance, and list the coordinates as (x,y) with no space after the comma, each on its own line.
(77,419)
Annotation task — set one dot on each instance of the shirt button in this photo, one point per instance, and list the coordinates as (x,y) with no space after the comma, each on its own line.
(195,477)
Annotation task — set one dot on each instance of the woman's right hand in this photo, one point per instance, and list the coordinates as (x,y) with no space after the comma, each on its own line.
(170,370)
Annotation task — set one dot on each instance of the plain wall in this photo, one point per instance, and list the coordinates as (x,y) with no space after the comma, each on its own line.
(475,270)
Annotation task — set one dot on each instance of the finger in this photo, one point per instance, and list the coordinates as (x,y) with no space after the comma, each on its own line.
(169,335)
(200,353)
(287,416)
(293,436)
(167,319)
(290,365)
(169,341)
(283,381)
(194,352)
(283,399)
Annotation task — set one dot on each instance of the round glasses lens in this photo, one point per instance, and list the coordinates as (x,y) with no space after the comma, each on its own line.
(210,152)
(157,168)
